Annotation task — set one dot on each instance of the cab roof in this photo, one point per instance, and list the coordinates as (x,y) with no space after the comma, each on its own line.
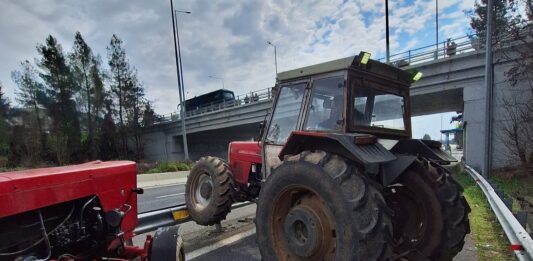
(373,66)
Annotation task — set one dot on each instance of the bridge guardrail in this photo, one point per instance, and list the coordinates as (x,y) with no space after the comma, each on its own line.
(435,51)
(152,220)
(521,242)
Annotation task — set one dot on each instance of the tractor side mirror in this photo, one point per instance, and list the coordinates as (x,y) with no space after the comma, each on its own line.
(261,129)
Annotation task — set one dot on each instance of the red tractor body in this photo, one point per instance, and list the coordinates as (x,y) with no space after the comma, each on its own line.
(244,156)
(111,182)
(80,212)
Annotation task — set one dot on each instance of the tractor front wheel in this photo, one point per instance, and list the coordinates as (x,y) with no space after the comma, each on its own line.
(316,206)
(209,192)
(430,217)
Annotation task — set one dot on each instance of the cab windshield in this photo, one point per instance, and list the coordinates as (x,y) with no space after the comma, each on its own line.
(378,109)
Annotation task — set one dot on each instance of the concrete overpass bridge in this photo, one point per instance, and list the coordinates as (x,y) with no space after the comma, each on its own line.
(451,82)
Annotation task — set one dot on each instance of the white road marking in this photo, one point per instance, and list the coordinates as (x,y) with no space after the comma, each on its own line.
(171,195)
(230,240)
(162,186)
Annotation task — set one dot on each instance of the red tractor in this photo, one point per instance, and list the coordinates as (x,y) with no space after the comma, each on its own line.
(336,174)
(82,212)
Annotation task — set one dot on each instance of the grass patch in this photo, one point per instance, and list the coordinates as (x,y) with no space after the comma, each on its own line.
(166,166)
(491,242)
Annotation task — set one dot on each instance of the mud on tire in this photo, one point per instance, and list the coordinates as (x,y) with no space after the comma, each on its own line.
(430,214)
(209,191)
(316,206)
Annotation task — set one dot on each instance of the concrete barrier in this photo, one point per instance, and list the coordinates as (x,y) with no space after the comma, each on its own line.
(161,179)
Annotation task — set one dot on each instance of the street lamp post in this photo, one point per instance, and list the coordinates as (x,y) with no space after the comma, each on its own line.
(275,57)
(387,28)
(179,70)
(218,78)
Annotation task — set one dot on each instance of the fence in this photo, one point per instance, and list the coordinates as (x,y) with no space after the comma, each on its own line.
(435,51)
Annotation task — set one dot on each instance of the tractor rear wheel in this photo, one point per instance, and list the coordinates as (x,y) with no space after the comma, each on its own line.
(316,206)
(209,191)
(430,217)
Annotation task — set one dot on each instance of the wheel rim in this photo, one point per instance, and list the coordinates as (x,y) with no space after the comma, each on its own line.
(410,222)
(301,226)
(203,191)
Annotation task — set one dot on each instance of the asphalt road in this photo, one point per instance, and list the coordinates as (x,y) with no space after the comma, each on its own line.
(161,197)
(243,250)
(246,250)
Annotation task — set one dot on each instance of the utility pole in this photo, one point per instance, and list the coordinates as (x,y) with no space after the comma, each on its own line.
(387,28)
(436,29)
(488,91)
(179,71)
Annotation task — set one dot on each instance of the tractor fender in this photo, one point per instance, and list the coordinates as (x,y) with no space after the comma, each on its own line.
(428,149)
(393,169)
(363,149)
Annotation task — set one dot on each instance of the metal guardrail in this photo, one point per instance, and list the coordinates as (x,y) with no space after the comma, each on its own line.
(151,221)
(521,242)
(240,100)
(433,52)
(455,46)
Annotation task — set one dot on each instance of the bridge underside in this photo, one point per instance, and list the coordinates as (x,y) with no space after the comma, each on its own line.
(437,102)
(211,142)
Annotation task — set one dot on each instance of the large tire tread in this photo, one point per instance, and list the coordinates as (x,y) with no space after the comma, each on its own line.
(376,234)
(370,218)
(222,192)
(454,209)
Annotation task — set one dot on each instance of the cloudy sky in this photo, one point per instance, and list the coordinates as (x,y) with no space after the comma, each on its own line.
(224,38)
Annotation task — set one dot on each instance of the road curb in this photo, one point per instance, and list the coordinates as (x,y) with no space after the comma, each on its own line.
(161,179)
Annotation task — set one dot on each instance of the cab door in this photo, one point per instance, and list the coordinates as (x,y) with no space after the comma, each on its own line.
(285,119)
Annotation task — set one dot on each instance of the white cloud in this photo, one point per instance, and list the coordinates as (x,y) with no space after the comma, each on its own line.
(223,38)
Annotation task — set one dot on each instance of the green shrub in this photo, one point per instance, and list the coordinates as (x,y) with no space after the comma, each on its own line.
(169,166)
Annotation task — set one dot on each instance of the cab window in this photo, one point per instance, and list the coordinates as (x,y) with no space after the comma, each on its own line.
(325,110)
(286,113)
(378,109)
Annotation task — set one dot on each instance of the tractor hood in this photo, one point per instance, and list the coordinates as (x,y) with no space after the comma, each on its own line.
(25,190)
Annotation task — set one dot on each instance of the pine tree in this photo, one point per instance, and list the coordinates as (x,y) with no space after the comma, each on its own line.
(4,103)
(478,18)
(61,89)
(135,103)
(120,74)
(30,94)
(108,134)
(87,75)
(4,142)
